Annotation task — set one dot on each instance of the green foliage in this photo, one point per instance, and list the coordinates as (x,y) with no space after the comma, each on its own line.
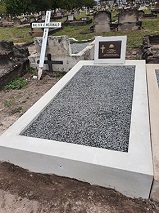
(2,8)
(70,4)
(15,34)
(18,83)
(16,7)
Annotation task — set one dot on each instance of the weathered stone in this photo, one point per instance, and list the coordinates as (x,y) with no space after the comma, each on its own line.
(13,61)
(129,20)
(57,45)
(102,20)
(150,49)
(60,49)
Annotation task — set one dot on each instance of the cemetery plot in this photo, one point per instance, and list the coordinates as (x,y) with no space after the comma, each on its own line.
(128,170)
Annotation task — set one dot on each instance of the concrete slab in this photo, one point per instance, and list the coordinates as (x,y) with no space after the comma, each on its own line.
(130,172)
(153,94)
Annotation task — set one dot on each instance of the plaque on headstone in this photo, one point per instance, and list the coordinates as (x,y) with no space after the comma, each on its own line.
(110,49)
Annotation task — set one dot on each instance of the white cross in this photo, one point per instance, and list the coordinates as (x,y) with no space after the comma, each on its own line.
(102,48)
(46,27)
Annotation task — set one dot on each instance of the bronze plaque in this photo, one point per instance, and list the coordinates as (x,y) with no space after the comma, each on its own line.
(109,49)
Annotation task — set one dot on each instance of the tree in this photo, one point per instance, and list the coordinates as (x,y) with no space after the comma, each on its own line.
(16,7)
(40,5)
(3,9)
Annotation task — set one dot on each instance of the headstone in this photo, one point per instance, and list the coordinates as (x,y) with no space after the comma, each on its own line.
(58,14)
(71,17)
(128,16)
(56,46)
(32,19)
(16,21)
(102,20)
(43,17)
(110,49)
(128,20)
(150,49)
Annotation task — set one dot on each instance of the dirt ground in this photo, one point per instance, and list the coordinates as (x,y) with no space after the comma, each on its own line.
(24,191)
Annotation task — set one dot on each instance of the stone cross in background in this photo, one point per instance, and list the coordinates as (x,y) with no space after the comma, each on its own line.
(46,25)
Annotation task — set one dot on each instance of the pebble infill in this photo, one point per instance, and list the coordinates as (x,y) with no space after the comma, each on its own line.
(77,47)
(93,109)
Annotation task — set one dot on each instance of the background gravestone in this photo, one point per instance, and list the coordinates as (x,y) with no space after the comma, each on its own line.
(102,20)
(56,46)
(150,49)
(71,17)
(13,61)
(129,20)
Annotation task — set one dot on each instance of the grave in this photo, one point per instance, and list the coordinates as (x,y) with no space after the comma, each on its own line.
(58,15)
(60,49)
(156,9)
(102,20)
(13,61)
(5,23)
(128,19)
(150,49)
(87,127)
(71,17)
(72,21)
(149,16)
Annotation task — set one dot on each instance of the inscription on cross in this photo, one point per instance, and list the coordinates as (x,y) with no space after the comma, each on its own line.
(46,27)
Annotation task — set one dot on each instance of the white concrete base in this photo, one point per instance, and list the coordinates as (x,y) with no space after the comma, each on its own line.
(153,94)
(61,51)
(130,173)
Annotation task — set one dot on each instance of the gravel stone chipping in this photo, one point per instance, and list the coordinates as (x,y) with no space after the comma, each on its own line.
(77,47)
(93,109)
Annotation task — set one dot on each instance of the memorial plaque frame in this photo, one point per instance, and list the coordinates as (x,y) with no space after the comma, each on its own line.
(110,49)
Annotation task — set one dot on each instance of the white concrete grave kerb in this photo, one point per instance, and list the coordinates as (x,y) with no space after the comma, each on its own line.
(46,27)
(130,172)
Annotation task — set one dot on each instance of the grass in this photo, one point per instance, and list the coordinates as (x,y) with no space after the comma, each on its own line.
(134,37)
(17,35)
